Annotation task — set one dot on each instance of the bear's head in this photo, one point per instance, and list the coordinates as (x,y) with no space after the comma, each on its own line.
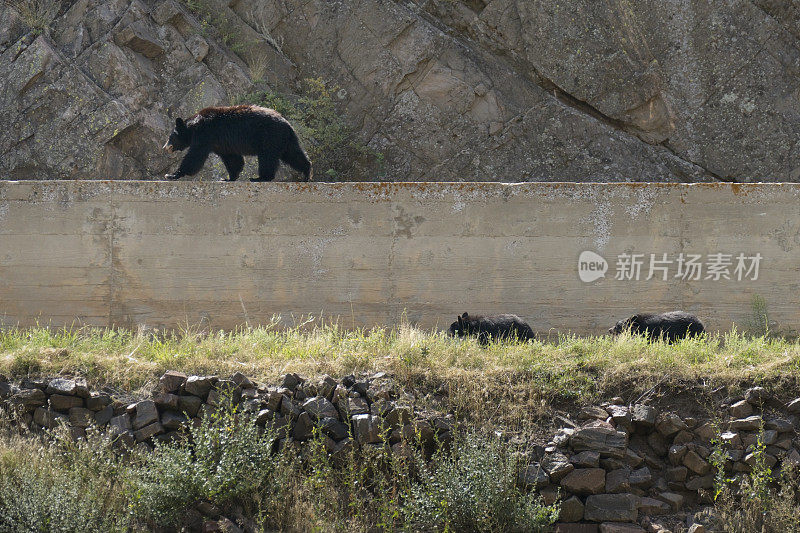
(626,324)
(459,327)
(180,138)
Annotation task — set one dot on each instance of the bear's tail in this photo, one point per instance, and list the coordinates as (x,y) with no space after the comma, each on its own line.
(295,157)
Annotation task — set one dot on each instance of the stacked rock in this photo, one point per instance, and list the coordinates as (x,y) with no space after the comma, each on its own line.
(348,412)
(48,403)
(620,465)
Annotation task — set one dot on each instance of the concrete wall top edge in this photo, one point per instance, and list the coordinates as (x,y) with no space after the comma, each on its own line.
(639,194)
(412,184)
(371,187)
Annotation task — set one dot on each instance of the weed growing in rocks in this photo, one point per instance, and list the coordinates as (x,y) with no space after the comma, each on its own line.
(212,18)
(474,488)
(38,15)
(759,500)
(352,489)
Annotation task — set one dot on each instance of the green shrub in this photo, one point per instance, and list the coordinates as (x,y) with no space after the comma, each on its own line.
(61,487)
(759,500)
(334,148)
(225,459)
(474,488)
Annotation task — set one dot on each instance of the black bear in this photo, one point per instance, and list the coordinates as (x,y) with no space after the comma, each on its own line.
(232,132)
(669,326)
(491,327)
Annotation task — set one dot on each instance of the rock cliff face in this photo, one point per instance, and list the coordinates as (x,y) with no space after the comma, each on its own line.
(507,90)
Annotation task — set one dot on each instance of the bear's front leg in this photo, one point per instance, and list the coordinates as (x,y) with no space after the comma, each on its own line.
(192,162)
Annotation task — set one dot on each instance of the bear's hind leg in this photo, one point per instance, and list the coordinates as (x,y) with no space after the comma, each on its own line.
(234,164)
(267,166)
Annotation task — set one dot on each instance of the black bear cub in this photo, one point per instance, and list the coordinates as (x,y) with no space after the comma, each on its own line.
(491,327)
(232,132)
(669,326)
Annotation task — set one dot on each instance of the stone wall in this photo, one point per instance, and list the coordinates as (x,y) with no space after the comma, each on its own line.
(615,467)
(345,414)
(619,464)
(222,255)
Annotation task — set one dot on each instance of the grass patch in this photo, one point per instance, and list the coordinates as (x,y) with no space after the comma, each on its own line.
(504,383)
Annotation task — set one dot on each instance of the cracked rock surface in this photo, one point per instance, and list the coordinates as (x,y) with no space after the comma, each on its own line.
(486,90)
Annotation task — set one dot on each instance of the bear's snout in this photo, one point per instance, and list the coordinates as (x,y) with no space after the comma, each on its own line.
(168,147)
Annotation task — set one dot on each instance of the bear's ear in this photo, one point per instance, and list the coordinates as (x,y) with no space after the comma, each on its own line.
(180,124)
(465,315)
(460,321)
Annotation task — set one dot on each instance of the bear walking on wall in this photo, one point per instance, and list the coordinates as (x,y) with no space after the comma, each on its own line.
(233,132)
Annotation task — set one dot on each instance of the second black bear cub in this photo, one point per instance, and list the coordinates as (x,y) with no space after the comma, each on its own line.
(669,326)
(491,327)
(233,132)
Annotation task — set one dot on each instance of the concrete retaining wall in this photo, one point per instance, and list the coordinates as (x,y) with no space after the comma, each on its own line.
(169,254)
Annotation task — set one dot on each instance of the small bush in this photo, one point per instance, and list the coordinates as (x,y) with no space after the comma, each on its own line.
(211,18)
(757,501)
(334,148)
(474,488)
(225,459)
(61,487)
